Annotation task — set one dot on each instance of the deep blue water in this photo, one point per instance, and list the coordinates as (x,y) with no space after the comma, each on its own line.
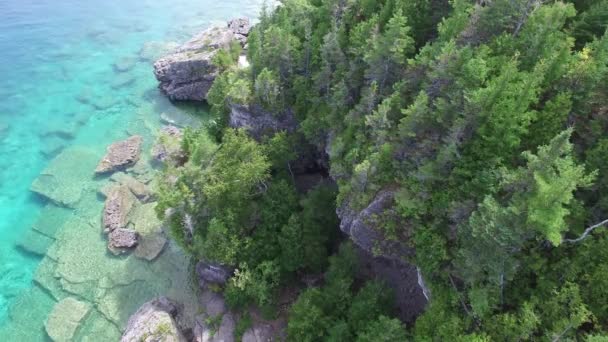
(59,88)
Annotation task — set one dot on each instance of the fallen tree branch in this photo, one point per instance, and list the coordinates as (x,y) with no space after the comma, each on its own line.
(587,232)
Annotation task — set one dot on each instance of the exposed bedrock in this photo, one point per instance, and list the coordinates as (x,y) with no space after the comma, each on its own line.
(384,258)
(259,122)
(188,72)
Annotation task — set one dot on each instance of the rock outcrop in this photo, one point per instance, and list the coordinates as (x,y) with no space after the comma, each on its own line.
(259,122)
(212,273)
(154,321)
(188,73)
(120,155)
(384,258)
(362,228)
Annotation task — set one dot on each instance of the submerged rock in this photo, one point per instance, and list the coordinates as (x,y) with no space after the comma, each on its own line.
(152,239)
(34,242)
(64,320)
(122,80)
(124,64)
(53,145)
(120,155)
(154,321)
(139,189)
(117,207)
(189,72)
(51,218)
(64,179)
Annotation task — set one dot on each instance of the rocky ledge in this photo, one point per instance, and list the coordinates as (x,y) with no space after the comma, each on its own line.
(188,72)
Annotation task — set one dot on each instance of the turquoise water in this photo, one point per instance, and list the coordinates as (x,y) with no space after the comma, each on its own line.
(60,91)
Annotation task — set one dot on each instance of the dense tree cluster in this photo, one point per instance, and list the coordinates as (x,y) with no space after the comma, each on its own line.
(488,119)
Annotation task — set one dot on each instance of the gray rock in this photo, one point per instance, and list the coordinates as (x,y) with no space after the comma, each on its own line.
(154,321)
(259,333)
(241,28)
(120,155)
(259,122)
(122,238)
(383,258)
(212,273)
(188,73)
(207,329)
(117,207)
(361,227)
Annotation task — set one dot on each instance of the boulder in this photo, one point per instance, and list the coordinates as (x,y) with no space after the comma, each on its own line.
(212,273)
(241,28)
(188,73)
(117,207)
(154,321)
(120,155)
(121,239)
(64,320)
(259,122)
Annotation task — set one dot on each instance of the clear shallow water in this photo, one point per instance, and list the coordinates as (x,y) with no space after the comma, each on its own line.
(60,92)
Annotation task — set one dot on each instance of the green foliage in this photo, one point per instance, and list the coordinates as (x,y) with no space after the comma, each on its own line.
(227,58)
(336,312)
(485,119)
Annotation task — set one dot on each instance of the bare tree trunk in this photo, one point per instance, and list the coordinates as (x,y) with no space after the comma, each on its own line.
(587,232)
